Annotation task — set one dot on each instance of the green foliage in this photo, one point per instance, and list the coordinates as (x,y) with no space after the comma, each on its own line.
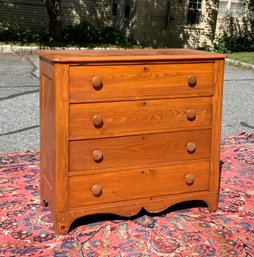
(252,5)
(80,33)
(15,34)
(234,43)
(83,34)
(247,57)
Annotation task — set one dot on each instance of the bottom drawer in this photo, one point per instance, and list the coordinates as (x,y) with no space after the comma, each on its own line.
(134,184)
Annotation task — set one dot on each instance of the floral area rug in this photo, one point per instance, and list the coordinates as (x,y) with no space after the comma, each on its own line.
(26,227)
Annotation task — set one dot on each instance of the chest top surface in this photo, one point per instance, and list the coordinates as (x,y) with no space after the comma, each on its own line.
(63,56)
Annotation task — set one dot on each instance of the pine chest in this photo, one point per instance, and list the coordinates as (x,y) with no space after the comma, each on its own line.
(122,130)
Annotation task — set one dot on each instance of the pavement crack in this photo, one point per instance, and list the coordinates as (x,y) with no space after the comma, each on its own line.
(19,86)
(20,94)
(19,130)
(238,79)
(244,124)
(35,69)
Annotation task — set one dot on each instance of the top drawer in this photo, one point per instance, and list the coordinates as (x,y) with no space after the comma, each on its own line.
(119,82)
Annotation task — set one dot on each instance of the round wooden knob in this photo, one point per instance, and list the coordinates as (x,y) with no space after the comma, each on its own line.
(97,83)
(97,121)
(192,80)
(191,147)
(97,155)
(189,179)
(96,190)
(191,115)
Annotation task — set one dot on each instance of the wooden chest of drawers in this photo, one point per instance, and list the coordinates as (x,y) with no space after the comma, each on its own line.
(123,130)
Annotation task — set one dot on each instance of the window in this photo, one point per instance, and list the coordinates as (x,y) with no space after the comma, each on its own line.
(114,8)
(194,12)
(127,9)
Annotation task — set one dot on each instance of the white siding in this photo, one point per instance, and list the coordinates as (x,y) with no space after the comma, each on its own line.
(30,13)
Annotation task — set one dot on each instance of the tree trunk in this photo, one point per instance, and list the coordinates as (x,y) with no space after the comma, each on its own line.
(55,19)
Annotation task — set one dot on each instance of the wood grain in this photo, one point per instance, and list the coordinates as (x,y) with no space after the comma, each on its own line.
(47,135)
(216,129)
(139,150)
(128,129)
(121,82)
(136,117)
(138,183)
(132,207)
(127,55)
(62,136)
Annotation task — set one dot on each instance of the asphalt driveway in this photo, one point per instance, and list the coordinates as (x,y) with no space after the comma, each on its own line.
(19,102)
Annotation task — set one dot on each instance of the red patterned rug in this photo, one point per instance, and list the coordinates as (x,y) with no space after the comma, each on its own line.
(26,228)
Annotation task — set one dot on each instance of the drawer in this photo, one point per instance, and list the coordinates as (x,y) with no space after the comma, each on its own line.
(135,117)
(131,151)
(134,184)
(119,82)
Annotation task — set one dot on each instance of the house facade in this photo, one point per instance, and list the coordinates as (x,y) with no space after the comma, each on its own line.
(159,23)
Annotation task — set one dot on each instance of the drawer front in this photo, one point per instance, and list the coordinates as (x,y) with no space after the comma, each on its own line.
(111,83)
(138,183)
(132,151)
(135,117)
